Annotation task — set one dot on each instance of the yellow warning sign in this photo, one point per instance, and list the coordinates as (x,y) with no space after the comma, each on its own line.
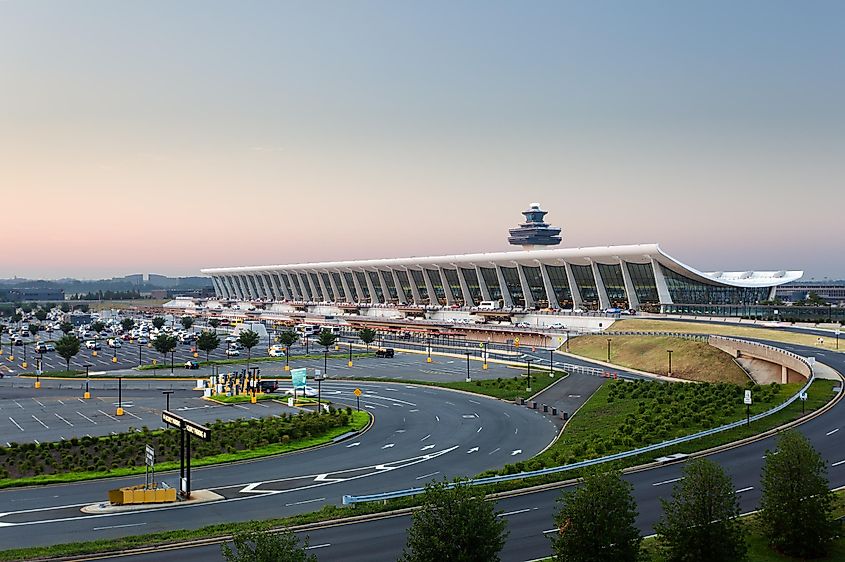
(357,392)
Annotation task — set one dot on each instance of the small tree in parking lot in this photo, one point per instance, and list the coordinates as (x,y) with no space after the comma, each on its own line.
(41,315)
(33,329)
(67,347)
(98,326)
(158,322)
(256,544)
(287,339)
(164,344)
(368,336)
(187,322)
(66,327)
(65,307)
(208,342)
(214,322)
(127,324)
(326,339)
(248,339)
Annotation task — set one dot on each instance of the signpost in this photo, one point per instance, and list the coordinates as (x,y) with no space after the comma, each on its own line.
(747,401)
(357,393)
(187,428)
(837,339)
(149,461)
(803,397)
(298,379)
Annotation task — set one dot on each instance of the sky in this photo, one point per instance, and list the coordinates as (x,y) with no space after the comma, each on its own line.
(164,136)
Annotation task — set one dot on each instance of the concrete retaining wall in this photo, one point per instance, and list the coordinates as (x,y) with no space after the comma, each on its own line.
(792,367)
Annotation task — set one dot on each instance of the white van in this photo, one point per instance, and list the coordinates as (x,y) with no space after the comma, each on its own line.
(490,305)
(308,329)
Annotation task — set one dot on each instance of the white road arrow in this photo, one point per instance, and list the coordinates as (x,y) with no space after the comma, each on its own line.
(389,445)
(474,449)
(353,444)
(514,453)
(250,489)
(427,447)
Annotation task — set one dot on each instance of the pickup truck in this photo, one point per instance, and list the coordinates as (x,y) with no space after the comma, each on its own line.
(388,352)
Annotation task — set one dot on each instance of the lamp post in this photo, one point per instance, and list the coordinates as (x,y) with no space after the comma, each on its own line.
(287,358)
(171,361)
(325,361)
(469,379)
(119,411)
(349,363)
(167,394)
(24,354)
(319,379)
(669,351)
(551,361)
(38,372)
(567,341)
(608,350)
(87,394)
(528,388)
(484,365)
(428,359)
(140,345)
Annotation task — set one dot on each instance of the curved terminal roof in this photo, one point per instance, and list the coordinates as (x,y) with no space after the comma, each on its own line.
(638,253)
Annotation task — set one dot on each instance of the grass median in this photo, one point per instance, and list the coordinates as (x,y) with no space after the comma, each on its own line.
(503,388)
(258,359)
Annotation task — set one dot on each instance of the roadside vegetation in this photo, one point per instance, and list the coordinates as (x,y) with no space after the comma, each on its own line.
(745,330)
(504,388)
(121,455)
(691,360)
(262,359)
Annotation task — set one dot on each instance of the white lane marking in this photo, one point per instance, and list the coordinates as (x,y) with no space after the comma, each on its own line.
(18,404)
(516,431)
(668,481)
(427,475)
(517,512)
(469,416)
(37,401)
(324,545)
(494,450)
(389,445)
(551,531)
(507,415)
(475,402)
(479,429)
(118,526)
(353,444)
(131,414)
(831,432)
(16,423)
(305,501)
(400,431)
(413,410)
(377,397)
(86,417)
(426,437)
(437,418)
(251,488)
(114,418)
(473,450)
(838,463)
(427,447)
(61,418)
(516,452)
(745,489)
(370,407)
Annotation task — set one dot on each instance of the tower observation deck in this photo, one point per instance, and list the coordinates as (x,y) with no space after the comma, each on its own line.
(534,231)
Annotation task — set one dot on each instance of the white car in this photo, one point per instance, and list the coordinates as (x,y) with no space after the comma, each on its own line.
(276,352)
(115,343)
(309,392)
(232,352)
(91,344)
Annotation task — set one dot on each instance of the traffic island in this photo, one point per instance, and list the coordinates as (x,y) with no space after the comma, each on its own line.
(197,496)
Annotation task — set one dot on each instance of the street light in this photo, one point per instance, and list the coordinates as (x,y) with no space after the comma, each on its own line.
(469,379)
(119,411)
(608,350)
(167,394)
(551,361)
(484,365)
(325,360)
(140,345)
(669,351)
(349,364)
(567,341)
(528,388)
(428,360)
(87,394)
(319,379)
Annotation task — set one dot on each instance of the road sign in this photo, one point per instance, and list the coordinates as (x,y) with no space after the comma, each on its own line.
(747,399)
(181,423)
(357,392)
(150,455)
(481,344)
(803,396)
(298,377)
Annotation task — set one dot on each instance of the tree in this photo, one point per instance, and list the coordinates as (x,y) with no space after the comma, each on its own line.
(701,522)
(187,322)
(67,347)
(208,342)
(84,307)
(33,329)
(455,524)
(98,326)
(65,307)
(260,545)
(596,522)
(17,317)
(368,336)
(214,322)
(41,315)
(26,308)
(326,339)
(164,344)
(127,324)
(797,505)
(248,339)
(66,327)
(158,322)
(288,338)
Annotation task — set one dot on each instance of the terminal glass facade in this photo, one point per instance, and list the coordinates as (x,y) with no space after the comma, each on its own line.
(391,286)
(328,285)
(454,284)
(471,279)
(405,283)
(362,282)
(688,291)
(379,296)
(535,285)
(339,284)
(492,282)
(421,287)
(439,293)
(642,276)
(583,275)
(350,282)
(511,276)
(560,285)
(614,284)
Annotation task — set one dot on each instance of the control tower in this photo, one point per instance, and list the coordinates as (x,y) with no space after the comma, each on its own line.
(534,231)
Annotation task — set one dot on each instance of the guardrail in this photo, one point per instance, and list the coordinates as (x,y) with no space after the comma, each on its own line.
(682,335)
(351,500)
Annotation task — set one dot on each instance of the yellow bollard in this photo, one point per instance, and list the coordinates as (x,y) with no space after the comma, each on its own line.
(484,366)
(94,353)
(24,364)
(37,384)
(287,367)
(337,347)
(196,354)
(428,359)
(114,359)
(87,396)
(253,399)
(349,363)
(11,357)
(119,411)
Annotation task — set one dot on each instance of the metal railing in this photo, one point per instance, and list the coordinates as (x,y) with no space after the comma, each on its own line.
(351,500)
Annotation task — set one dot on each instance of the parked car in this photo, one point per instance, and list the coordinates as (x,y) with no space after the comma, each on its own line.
(385,352)
(268,386)
(115,343)
(307,390)
(232,352)
(192,365)
(93,345)
(143,340)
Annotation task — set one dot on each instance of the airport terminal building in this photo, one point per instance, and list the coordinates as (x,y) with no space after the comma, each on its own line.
(628,277)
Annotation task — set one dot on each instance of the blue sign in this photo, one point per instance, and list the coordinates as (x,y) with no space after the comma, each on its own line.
(298,377)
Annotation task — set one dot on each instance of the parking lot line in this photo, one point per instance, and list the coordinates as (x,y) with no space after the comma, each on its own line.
(61,418)
(107,415)
(16,423)
(41,422)
(86,417)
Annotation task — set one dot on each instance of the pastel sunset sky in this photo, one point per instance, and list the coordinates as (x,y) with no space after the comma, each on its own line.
(167,136)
